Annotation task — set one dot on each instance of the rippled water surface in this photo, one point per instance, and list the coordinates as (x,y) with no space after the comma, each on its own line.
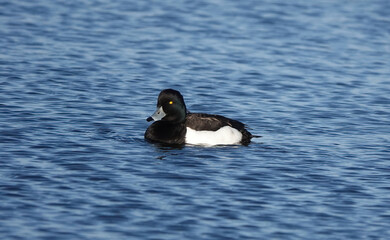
(79,78)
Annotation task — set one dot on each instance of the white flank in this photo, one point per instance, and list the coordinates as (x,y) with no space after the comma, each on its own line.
(224,135)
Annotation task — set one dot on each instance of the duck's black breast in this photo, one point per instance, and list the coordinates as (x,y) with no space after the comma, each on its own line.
(165,132)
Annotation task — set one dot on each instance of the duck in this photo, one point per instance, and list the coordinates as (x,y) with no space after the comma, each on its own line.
(175,125)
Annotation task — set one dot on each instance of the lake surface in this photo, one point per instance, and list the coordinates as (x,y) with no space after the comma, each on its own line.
(79,78)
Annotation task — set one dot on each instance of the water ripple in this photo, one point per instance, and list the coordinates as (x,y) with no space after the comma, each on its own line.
(78,79)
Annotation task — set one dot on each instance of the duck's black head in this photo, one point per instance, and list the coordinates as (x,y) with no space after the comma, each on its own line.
(170,107)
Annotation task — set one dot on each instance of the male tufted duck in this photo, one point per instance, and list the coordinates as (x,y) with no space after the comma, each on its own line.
(175,125)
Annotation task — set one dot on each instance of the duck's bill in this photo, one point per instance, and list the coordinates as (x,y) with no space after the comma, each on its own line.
(157,115)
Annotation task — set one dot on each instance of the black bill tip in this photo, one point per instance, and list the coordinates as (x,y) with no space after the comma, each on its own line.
(149,119)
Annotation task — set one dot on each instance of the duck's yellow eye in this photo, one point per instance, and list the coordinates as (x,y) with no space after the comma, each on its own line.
(170,102)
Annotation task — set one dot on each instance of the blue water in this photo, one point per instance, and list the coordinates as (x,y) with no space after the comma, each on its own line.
(79,78)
